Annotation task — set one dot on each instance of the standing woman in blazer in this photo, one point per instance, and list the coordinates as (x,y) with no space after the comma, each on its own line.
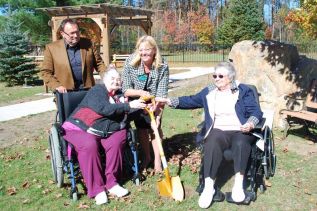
(145,74)
(69,62)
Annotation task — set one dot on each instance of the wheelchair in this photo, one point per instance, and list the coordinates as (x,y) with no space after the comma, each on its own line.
(63,157)
(261,166)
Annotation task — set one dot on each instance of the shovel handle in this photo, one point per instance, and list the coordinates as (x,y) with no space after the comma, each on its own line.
(157,138)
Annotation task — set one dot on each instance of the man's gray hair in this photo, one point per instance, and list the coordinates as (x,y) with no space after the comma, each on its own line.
(65,21)
(229,67)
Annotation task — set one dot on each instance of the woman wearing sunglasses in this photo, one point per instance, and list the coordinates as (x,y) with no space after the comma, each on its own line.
(231,112)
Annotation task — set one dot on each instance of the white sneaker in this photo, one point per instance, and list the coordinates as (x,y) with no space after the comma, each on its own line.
(118,191)
(101,198)
(237,194)
(207,195)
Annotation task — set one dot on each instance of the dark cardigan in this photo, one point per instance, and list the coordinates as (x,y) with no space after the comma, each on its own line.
(95,111)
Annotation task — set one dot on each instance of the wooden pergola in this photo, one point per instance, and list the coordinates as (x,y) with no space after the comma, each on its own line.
(107,16)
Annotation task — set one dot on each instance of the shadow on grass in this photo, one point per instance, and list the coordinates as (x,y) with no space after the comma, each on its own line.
(183,146)
(179,147)
(308,132)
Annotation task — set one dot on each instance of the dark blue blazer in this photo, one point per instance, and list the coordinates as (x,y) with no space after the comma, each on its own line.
(247,108)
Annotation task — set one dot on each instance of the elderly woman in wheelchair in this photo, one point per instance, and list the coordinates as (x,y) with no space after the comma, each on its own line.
(231,112)
(99,123)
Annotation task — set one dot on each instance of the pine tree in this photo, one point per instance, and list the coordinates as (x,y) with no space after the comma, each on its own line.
(14,67)
(243,21)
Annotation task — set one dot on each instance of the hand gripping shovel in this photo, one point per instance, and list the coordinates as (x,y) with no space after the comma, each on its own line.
(169,186)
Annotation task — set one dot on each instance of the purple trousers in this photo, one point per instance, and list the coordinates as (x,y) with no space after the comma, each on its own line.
(87,147)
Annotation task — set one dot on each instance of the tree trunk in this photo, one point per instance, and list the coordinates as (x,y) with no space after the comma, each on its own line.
(273,17)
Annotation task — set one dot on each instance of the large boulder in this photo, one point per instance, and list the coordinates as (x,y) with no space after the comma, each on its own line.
(276,69)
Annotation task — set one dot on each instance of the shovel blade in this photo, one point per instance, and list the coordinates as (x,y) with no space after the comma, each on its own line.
(177,189)
(171,187)
(164,187)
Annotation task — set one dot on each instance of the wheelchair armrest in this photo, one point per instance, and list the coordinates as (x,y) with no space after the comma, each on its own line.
(260,125)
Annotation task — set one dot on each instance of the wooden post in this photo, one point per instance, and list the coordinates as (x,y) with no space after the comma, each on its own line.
(54,26)
(105,34)
(149,26)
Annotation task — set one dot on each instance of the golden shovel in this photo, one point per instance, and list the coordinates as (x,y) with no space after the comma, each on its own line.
(169,186)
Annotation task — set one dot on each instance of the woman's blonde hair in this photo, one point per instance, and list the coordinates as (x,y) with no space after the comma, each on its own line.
(149,40)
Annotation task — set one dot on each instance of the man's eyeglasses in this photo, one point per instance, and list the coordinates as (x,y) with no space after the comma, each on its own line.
(72,34)
(219,76)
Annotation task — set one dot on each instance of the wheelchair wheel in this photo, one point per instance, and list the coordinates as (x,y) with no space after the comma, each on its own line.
(131,158)
(56,156)
(269,159)
(137,181)
(75,196)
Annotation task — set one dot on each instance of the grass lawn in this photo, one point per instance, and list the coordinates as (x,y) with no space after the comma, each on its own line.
(18,94)
(26,177)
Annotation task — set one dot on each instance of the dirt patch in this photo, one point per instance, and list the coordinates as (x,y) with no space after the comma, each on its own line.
(298,145)
(26,129)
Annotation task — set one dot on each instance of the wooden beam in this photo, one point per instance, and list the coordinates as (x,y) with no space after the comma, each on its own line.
(105,8)
(105,42)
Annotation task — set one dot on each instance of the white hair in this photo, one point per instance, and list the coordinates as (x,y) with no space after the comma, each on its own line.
(229,67)
(110,72)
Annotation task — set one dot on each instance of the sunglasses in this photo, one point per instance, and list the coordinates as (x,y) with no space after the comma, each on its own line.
(219,76)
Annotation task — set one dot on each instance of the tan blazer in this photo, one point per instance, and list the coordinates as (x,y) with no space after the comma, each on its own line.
(56,70)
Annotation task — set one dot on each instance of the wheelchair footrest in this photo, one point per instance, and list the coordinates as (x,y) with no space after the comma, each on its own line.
(218,196)
(249,196)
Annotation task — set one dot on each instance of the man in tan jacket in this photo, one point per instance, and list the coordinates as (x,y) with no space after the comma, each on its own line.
(69,63)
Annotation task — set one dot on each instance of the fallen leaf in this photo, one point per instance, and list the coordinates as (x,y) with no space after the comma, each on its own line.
(16,156)
(25,201)
(59,195)
(46,191)
(26,184)
(297,170)
(312,200)
(51,182)
(11,191)
(83,206)
(306,191)
(66,203)
(285,149)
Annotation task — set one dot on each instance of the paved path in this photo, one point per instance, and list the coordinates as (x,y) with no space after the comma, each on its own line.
(25,109)
(192,73)
(47,104)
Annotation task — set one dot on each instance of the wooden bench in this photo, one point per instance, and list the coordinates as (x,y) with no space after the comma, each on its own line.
(119,59)
(36,58)
(307,116)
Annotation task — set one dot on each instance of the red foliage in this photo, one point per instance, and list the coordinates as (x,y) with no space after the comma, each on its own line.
(268,33)
(195,26)
(169,21)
